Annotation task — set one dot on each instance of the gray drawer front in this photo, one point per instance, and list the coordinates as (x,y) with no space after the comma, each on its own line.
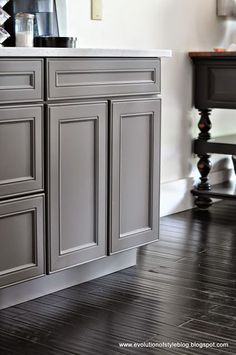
(21,80)
(21,156)
(75,78)
(21,240)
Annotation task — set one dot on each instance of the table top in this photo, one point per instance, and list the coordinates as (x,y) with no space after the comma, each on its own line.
(212,54)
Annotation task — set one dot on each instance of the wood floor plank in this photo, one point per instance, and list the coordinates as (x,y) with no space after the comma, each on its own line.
(139,312)
(73,339)
(206,327)
(220,319)
(148,260)
(180,282)
(229,311)
(191,336)
(13,345)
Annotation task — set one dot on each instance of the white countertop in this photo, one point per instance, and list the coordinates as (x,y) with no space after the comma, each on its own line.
(82,52)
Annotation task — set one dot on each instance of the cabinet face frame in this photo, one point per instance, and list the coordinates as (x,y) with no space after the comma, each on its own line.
(32,116)
(86,113)
(121,110)
(17,208)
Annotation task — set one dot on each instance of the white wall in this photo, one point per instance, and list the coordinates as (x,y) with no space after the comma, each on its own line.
(183,26)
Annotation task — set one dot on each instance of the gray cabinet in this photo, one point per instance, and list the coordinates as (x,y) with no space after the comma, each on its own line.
(102,168)
(77,183)
(21,150)
(134,141)
(22,239)
(134,173)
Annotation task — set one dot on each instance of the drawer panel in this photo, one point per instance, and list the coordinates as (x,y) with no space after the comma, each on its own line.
(21,156)
(75,78)
(21,240)
(21,80)
(215,84)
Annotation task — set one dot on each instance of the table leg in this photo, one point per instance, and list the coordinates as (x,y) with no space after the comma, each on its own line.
(204,165)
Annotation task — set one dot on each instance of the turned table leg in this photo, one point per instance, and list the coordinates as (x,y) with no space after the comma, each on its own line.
(204,164)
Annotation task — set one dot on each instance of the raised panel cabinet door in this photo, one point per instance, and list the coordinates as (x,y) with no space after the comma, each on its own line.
(134,173)
(22,244)
(77,183)
(21,150)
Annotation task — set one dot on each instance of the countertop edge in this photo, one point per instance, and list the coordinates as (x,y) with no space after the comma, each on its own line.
(83,52)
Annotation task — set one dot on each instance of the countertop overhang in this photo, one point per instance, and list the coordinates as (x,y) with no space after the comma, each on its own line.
(83,52)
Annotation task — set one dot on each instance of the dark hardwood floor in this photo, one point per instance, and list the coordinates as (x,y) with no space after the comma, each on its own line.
(182,290)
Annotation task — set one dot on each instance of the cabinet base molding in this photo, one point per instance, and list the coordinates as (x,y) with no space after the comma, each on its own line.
(42,286)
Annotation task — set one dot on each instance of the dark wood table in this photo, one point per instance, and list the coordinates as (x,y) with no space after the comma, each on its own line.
(214,87)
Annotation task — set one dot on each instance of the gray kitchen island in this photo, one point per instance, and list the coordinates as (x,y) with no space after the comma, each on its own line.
(79,164)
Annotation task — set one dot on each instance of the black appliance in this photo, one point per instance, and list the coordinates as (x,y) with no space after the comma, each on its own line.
(46,23)
(59,42)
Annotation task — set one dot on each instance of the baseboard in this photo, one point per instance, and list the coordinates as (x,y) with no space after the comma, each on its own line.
(51,283)
(176,196)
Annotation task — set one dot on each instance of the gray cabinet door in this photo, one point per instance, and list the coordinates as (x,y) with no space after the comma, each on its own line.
(134,173)
(22,246)
(77,183)
(21,150)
